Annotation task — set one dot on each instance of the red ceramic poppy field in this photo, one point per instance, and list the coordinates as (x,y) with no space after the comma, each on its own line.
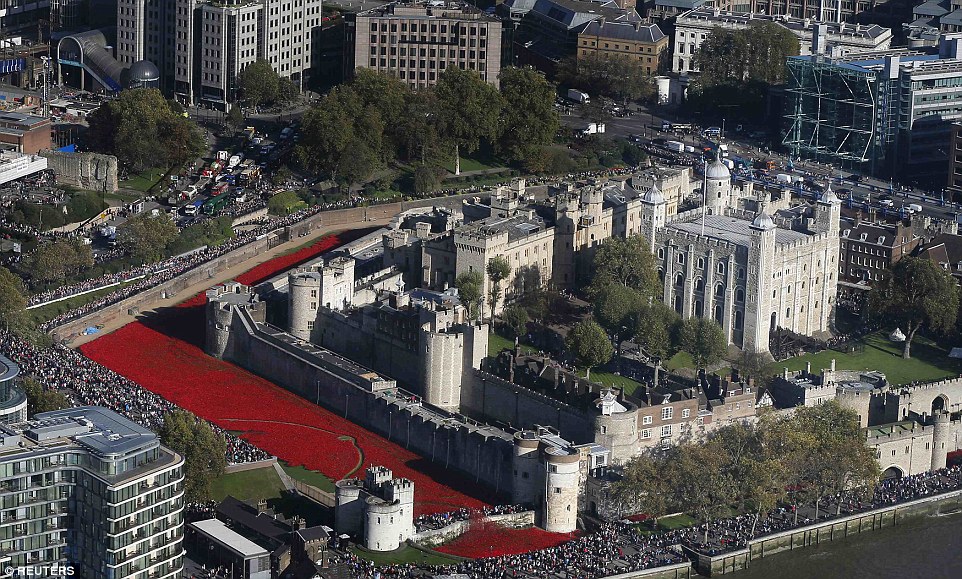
(492,540)
(165,354)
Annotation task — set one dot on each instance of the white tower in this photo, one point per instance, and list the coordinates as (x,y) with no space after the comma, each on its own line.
(653,209)
(718,186)
(761,253)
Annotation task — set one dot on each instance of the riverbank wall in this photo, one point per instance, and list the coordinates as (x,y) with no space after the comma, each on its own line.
(828,531)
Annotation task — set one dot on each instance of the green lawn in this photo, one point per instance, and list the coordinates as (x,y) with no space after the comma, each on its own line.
(679,361)
(310,477)
(677,522)
(497,342)
(608,379)
(929,360)
(405,554)
(470,164)
(145,180)
(249,485)
(50,311)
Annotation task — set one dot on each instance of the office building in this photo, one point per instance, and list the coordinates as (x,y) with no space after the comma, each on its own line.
(644,43)
(886,113)
(692,28)
(24,133)
(887,12)
(87,489)
(418,41)
(199,47)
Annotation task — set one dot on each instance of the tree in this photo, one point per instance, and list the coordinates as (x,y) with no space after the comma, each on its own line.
(704,340)
(528,120)
(643,488)
(58,260)
(627,262)
(757,53)
(427,179)
(235,118)
(470,286)
(142,130)
(284,203)
(343,137)
(589,344)
(13,303)
(204,452)
(700,482)
(146,238)
(915,293)
(40,399)
(259,83)
(616,307)
(516,319)
(828,452)
(616,76)
(498,270)
(654,329)
(468,111)
(416,133)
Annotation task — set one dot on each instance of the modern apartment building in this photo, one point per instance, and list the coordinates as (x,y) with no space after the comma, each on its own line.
(91,491)
(880,113)
(13,402)
(200,46)
(418,41)
(692,28)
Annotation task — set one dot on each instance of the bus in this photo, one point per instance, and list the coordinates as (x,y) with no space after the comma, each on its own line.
(214,205)
(219,190)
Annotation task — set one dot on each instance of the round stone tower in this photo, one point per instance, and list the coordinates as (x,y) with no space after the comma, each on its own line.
(940,439)
(527,468)
(384,526)
(718,185)
(442,359)
(616,427)
(561,491)
(303,300)
(348,507)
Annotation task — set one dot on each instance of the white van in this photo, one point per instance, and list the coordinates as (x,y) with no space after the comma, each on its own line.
(914,208)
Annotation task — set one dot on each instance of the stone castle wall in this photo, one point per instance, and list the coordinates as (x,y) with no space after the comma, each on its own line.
(91,171)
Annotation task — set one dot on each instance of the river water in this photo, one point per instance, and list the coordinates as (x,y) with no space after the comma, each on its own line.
(923,548)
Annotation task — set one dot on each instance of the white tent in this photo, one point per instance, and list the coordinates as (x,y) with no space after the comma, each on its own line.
(897,336)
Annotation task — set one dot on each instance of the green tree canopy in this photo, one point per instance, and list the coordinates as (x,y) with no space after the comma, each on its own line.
(57,260)
(619,77)
(146,238)
(142,130)
(285,203)
(516,319)
(13,302)
(655,329)
(616,306)
(529,120)
(704,340)
(627,262)
(468,111)
(470,286)
(589,344)
(259,84)
(498,270)
(203,450)
(39,399)
(915,293)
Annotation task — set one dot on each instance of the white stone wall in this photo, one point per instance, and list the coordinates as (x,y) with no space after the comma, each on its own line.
(561,494)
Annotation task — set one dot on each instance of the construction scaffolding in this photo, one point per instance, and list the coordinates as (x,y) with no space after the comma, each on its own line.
(839,113)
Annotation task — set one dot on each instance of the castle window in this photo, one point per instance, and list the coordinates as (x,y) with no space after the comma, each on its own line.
(719,291)
(646,433)
(701,263)
(557,490)
(699,285)
(646,420)
(661,253)
(721,267)
(741,273)
(666,413)
(686,413)
(679,279)
(310,325)
(738,320)
(553,468)
(681,258)
(313,305)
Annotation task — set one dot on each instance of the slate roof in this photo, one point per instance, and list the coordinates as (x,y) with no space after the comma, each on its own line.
(629,31)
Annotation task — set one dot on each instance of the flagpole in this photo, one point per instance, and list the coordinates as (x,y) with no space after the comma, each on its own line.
(704,198)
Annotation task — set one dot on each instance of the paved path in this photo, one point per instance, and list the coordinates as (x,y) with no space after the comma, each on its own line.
(221,277)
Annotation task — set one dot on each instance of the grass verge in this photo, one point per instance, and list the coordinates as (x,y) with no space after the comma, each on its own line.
(249,485)
(310,477)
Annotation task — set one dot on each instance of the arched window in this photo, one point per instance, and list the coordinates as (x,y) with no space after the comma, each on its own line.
(698,308)
(701,263)
(720,291)
(741,273)
(699,285)
(681,258)
(718,314)
(738,320)
(678,304)
(739,295)
(679,279)
(721,267)
(661,253)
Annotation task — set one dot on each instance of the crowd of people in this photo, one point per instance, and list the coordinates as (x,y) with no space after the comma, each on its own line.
(621,547)
(87,383)
(441,520)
